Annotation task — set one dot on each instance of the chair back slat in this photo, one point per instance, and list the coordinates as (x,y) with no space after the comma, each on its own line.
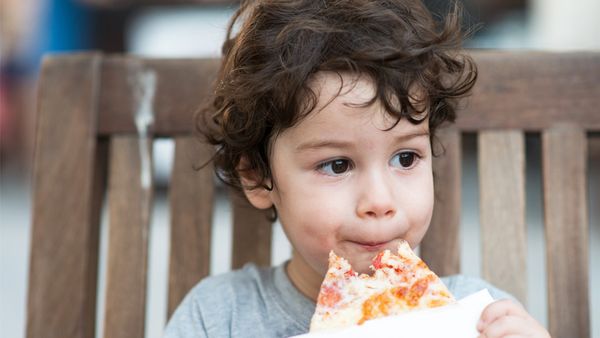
(508,81)
(440,248)
(564,160)
(182,86)
(531,90)
(191,197)
(502,210)
(130,206)
(251,233)
(68,183)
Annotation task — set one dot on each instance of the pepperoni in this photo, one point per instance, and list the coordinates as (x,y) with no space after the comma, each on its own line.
(373,307)
(400,292)
(417,290)
(329,296)
(367,311)
(384,305)
(400,271)
(376,306)
(377,261)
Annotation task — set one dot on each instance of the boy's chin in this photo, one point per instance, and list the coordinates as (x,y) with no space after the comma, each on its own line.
(362,266)
(361,261)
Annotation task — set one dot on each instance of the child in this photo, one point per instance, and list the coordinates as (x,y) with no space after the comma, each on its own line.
(325,112)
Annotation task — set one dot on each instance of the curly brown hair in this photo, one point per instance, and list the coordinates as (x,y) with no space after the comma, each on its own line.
(262,85)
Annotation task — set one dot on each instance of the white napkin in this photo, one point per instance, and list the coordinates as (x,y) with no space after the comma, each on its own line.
(458,320)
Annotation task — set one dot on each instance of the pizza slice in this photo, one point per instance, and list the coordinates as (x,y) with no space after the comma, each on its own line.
(401,282)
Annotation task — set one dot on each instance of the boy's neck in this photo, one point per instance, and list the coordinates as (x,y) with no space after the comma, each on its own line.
(303,277)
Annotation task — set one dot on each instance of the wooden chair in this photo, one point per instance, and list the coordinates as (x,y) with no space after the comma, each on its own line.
(92,138)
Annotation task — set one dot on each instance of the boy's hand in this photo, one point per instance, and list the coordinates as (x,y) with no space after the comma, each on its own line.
(506,318)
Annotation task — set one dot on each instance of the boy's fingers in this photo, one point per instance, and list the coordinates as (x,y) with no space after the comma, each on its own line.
(506,326)
(514,326)
(504,307)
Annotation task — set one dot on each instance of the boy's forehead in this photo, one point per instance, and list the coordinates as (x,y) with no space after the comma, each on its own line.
(340,111)
(350,93)
(345,88)
(354,89)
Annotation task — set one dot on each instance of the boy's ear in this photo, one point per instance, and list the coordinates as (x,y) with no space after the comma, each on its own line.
(259,197)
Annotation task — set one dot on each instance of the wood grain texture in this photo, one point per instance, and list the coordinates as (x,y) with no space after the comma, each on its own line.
(564,155)
(251,233)
(130,208)
(594,147)
(502,210)
(440,248)
(182,87)
(68,185)
(532,91)
(191,199)
(498,100)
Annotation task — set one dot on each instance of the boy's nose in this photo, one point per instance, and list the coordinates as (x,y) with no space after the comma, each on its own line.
(376,200)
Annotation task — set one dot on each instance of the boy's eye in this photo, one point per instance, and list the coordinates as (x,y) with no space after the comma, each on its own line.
(335,167)
(404,159)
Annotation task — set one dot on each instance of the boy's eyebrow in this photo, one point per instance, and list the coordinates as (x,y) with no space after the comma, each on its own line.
(412,135)
(311,145)
(316,144)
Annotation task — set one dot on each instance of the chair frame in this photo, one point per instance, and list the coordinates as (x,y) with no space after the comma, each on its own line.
(88,147)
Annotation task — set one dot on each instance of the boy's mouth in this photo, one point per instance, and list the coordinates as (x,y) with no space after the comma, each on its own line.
(371,246)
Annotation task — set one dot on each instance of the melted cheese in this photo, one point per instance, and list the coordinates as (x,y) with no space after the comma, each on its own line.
(400,283)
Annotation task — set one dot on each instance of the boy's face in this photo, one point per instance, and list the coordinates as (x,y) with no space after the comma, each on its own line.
(344,183)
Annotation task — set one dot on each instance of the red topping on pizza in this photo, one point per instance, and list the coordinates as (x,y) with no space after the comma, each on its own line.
(401,282)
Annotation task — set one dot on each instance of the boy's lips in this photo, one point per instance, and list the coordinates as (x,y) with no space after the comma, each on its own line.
(371,246)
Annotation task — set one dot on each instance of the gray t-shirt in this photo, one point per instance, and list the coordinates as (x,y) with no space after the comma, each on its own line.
(262,302)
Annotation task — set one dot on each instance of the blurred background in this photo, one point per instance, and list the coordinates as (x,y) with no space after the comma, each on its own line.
(196,28)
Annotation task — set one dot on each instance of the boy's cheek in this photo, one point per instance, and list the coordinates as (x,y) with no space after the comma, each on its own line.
(327,210)
(317,256)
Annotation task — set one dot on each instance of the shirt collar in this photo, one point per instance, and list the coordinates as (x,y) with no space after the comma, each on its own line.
(290,299)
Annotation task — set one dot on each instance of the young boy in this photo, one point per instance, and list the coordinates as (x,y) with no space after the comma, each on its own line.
(325,112)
